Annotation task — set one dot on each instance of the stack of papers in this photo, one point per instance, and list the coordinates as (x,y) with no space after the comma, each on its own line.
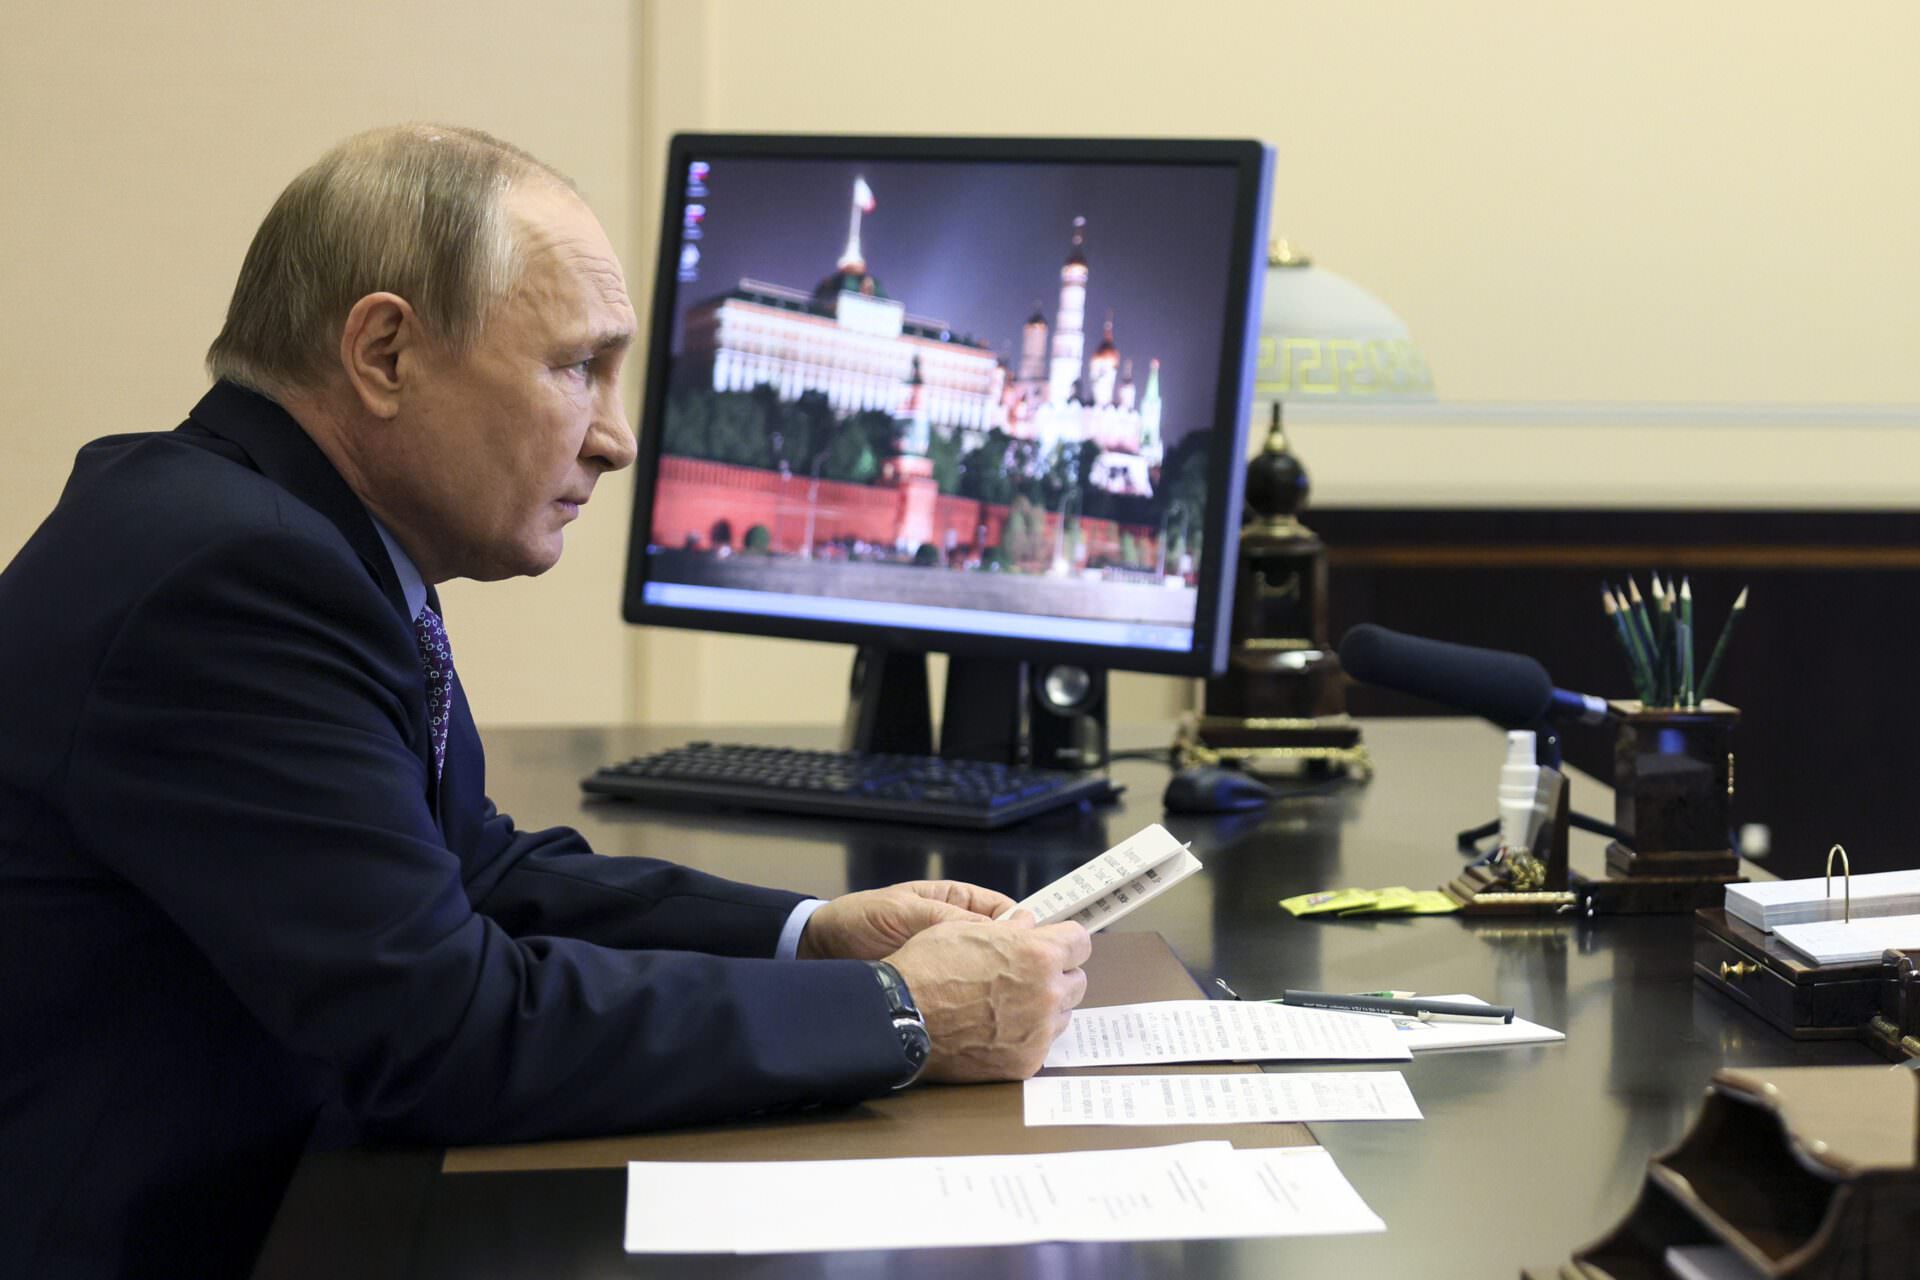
(1119,881)
(1192,1191)
(1125,1035)
(1424,1036)
(1398,900)
(1852,942)
(1768,904)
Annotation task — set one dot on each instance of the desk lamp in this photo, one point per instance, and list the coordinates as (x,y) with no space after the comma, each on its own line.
(1280,707)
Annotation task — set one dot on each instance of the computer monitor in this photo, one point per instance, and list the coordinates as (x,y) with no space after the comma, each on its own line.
(986,397)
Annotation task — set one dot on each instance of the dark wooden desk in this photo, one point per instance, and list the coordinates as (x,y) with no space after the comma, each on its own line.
(1525,1153)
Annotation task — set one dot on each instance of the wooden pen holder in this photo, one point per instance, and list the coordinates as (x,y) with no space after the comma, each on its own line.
(1672,781)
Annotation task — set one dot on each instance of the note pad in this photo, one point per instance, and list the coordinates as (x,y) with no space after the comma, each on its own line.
(1768,904)
(1852,941)
(1132,873)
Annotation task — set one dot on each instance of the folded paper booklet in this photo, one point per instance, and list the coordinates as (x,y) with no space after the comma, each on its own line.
(1398,900)
(1133,872)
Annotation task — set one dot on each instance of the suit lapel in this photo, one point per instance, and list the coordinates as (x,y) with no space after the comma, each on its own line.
(280,449)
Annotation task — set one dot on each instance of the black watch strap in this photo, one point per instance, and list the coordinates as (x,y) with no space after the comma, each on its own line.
(916,1046)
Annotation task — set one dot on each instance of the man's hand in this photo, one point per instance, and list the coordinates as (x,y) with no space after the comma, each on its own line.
(995,996)
(874,924)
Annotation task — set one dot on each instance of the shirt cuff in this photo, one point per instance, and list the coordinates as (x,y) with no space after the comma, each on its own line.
(796,925)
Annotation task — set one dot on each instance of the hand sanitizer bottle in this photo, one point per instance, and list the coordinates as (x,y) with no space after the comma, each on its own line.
(1519,781)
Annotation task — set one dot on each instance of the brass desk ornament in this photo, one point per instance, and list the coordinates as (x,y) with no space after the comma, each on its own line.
(1281,705)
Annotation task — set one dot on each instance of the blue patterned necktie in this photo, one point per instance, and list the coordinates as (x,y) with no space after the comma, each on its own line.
(436,664)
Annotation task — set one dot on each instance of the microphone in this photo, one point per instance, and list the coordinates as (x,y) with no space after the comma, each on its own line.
(1510,689)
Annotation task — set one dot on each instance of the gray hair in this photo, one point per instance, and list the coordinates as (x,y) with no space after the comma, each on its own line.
(417,210)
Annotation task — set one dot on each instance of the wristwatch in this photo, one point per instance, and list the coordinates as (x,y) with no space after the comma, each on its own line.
(915,1044)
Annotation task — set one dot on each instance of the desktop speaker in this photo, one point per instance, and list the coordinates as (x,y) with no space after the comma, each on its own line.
(1067,717)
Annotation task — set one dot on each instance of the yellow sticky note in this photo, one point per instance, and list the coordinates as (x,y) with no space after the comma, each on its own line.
(1432,902)
(1398,898)
(1313,904)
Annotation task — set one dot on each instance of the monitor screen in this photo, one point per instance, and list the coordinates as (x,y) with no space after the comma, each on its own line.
(987,397)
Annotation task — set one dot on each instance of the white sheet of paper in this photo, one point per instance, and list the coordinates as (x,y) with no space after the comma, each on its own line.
(1102,890)
(1422,1036)
(1236,1099)
(1200,1190)
(1223,1031)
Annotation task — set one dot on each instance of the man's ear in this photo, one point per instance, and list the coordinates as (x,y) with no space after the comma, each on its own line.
(379,349)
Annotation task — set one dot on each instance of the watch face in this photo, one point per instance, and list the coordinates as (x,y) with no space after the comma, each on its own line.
(915,1042)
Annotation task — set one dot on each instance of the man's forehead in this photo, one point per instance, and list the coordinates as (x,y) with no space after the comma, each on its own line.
(564,246)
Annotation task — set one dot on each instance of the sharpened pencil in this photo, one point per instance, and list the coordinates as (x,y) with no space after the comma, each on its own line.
(1668,689)
(1643,626)
(1720,645)
(1621,634)
(1623,628)
(1685,647)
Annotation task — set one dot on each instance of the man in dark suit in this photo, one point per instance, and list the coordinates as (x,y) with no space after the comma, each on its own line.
(253,897)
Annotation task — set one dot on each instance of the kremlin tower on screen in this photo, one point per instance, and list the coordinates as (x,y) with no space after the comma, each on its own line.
(850,341)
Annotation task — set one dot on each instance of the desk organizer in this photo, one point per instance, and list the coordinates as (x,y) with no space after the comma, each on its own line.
(1807,1001)
(1803,1172)
(1672,780)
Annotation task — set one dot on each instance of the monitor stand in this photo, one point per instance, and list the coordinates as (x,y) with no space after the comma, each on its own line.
(889,707)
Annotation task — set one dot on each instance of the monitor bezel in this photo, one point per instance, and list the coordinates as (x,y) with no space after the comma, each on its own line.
(1252,163)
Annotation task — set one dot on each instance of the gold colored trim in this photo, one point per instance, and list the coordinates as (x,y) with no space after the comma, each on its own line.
(1294,368)
(1354,760)
(1277,527)
(1542,898)
(1281,253)
(1265,723)
(1284,643)
(1494,556)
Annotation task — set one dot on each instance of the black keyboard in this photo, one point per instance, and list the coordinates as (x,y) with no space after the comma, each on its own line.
(923,790)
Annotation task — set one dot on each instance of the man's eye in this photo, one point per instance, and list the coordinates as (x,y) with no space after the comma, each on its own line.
(584,368)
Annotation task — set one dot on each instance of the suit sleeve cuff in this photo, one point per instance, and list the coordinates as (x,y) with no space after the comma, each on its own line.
(789,946)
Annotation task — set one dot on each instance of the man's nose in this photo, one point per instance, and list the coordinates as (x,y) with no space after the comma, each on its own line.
(610,439)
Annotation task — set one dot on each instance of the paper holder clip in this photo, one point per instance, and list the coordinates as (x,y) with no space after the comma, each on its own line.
(1846,883)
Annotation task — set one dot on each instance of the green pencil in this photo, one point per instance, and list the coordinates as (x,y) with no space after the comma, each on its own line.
(1720,645)
(1643,626)
(1636,656)
(1621,629)
(1686,642)
(1668,688)
(1640,651)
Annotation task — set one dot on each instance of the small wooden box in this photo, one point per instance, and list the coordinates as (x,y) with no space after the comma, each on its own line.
(1807,1001)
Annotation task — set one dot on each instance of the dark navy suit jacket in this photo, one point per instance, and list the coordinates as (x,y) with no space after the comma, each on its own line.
(237,918)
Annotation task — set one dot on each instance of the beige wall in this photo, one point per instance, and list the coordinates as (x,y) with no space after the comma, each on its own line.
(143,145)
(1639,202)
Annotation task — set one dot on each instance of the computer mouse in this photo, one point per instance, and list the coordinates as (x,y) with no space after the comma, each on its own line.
(1212,789)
